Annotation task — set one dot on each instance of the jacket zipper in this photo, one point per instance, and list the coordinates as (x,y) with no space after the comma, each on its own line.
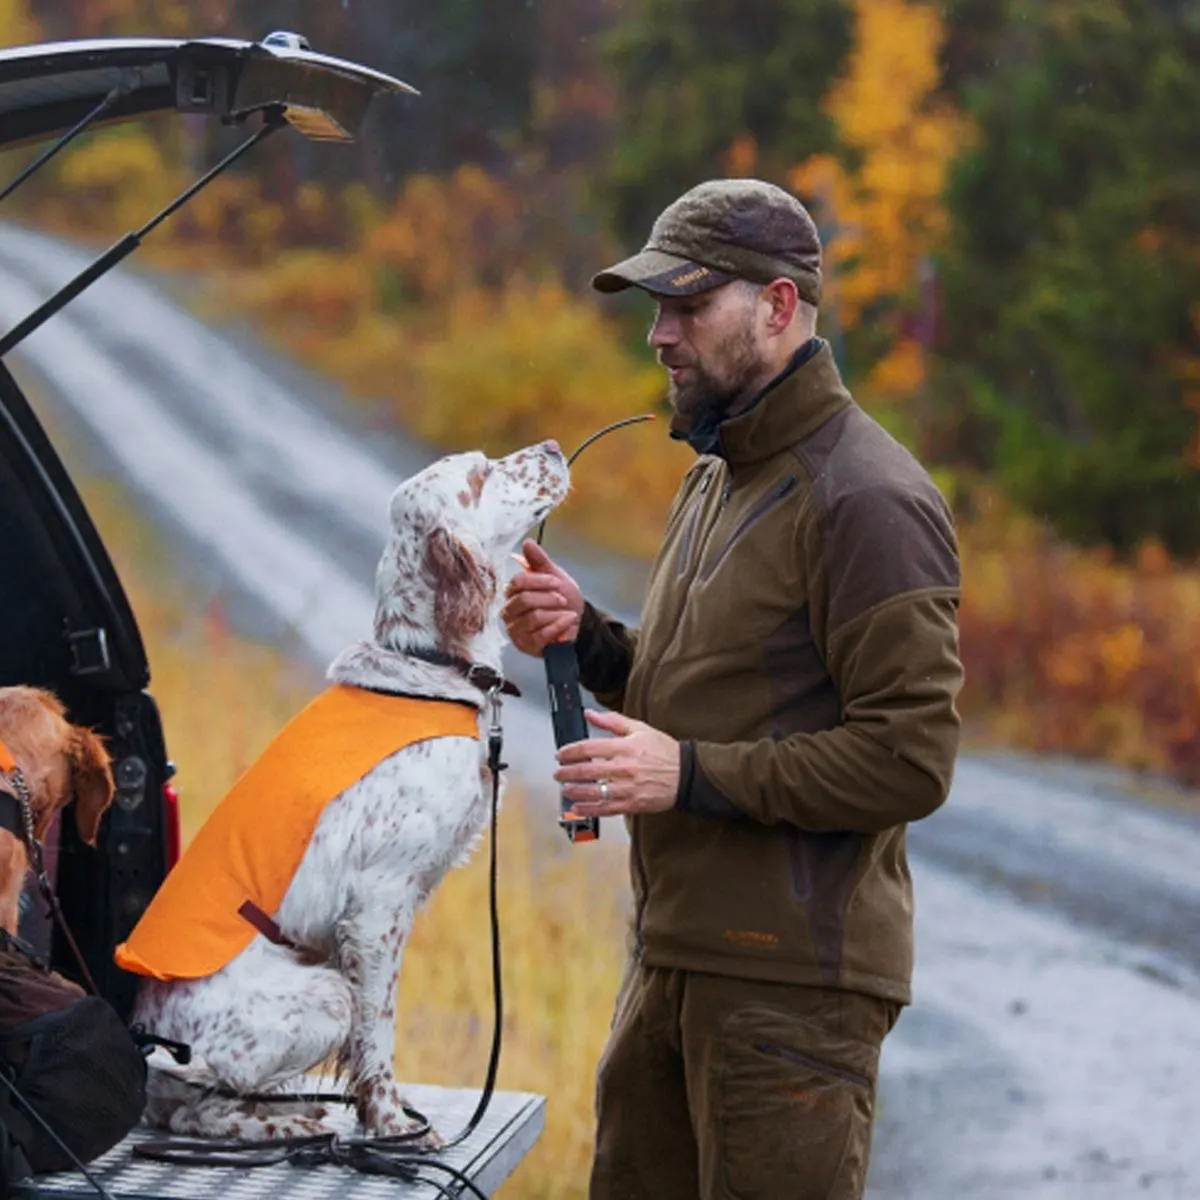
(756,514)
(689,531)
(684,559)
(638,937)
(813,1064)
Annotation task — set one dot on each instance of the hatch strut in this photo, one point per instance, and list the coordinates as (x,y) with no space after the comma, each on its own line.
(273,119)
(129,83)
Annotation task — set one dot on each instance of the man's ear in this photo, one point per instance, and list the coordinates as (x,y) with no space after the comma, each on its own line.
(91,782)
(782,296)
(463,588)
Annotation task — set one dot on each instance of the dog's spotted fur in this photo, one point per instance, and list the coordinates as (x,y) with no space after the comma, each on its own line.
(379,849)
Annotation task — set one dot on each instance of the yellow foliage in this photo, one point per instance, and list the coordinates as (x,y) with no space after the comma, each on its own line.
(509,365)
(17,24)
(887,214)
(307,290)
(118,179)
(900,372)
(446,234)
(1120,652)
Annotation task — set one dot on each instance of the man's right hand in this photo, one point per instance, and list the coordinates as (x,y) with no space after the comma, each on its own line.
(543,603)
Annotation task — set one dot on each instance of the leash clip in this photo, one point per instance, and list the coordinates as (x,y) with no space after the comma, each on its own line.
(495,732)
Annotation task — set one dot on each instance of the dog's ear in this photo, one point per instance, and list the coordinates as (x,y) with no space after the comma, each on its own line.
(91,782)
(463,588)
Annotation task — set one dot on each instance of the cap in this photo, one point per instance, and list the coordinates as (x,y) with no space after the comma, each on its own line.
(723,230)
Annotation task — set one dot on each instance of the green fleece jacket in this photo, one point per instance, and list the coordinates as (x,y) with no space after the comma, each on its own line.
(799,638)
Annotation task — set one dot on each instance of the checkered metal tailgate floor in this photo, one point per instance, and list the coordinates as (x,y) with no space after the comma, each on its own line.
(510,1127)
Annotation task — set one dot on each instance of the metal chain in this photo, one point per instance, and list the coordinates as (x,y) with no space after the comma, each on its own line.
(38,861)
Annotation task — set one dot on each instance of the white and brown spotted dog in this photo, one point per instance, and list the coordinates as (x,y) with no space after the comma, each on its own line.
(380,848)
(58,763)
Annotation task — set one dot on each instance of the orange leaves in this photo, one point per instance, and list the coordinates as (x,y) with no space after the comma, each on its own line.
(741,159)
(900,372)
(445,234)
(1067,652)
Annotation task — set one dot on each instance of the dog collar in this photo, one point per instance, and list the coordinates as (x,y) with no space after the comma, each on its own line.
(14,798)
(485,678)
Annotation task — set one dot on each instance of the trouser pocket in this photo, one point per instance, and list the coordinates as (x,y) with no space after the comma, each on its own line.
(795,1107)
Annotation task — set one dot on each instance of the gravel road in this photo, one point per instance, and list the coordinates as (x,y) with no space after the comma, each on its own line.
(1053,1047)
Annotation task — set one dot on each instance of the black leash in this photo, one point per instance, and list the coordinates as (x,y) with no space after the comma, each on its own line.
(393,1155)
(23,829)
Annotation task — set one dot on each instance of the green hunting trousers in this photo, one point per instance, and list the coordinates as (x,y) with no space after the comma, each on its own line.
(714,1088)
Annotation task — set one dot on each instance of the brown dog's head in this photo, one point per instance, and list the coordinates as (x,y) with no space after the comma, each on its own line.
(61,762)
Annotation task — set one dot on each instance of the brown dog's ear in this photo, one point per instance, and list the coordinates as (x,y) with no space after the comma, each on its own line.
(91,782)
(463,587)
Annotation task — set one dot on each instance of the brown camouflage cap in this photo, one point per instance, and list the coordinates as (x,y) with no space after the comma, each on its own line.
(723,230)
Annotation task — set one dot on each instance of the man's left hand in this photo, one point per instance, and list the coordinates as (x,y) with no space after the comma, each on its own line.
(635,771)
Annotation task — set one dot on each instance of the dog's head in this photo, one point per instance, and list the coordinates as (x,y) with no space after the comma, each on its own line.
(61,762)
(453,527)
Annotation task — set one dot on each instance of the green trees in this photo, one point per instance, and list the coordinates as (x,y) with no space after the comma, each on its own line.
(696,78)
(1070,354)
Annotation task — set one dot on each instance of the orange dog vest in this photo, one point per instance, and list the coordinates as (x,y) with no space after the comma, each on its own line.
(252,844)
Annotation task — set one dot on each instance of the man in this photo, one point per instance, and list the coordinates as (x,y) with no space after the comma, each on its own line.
(785,708)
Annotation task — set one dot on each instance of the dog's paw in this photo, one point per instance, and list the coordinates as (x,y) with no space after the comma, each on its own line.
(384,1112)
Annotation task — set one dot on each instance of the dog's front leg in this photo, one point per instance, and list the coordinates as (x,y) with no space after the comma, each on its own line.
(372,952)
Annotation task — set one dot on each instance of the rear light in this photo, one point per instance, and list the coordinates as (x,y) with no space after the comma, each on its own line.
(171,823)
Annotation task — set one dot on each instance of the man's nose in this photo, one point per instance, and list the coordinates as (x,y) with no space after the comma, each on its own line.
(664,331)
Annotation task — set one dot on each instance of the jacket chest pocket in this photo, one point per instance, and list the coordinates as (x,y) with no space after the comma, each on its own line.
(746,577)
(721,543)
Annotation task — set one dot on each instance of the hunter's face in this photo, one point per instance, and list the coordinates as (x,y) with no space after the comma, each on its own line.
(711,345)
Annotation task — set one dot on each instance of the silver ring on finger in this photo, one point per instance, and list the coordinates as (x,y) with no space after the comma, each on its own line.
(604,790)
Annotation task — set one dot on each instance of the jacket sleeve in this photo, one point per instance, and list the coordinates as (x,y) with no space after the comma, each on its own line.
(890,642)
(605,649)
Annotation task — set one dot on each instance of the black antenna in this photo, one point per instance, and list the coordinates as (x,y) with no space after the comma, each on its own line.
(587,442)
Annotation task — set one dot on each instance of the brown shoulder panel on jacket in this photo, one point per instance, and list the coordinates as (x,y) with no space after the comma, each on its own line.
(886,529)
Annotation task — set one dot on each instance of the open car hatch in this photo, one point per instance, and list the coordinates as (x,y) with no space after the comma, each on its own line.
(62,88)
(47,89)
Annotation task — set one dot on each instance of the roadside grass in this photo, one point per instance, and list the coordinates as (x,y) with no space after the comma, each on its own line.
(562,910)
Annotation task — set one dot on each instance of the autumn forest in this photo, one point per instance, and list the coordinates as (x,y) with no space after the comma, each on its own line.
(1008,190)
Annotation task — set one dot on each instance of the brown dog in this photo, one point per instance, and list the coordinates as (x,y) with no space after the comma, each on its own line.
(59,762)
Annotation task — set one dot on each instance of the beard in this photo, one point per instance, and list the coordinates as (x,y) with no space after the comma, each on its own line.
(714,384)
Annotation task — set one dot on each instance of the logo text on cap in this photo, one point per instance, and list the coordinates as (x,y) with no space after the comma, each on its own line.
(690,276)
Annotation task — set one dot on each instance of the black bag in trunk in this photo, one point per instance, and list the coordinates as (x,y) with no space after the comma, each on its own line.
(70,1058)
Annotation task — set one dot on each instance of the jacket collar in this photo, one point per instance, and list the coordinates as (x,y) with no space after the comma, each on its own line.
(792,407)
